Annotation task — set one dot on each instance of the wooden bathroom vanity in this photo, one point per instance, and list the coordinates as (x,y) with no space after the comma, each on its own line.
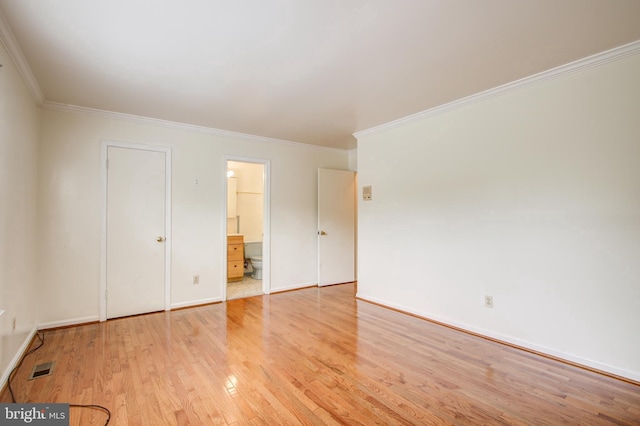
(235,258)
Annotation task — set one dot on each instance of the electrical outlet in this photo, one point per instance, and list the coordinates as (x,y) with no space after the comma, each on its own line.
(13,324)
(196,279)
(488,301)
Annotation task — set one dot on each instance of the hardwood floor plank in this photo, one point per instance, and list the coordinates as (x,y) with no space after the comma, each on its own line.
(315,356)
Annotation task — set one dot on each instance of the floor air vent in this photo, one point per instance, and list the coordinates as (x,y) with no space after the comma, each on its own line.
(42,370)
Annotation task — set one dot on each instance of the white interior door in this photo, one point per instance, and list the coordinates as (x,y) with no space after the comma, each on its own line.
(336,226)
(136,214)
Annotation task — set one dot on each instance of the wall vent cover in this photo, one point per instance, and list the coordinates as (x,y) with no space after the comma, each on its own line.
(42,370)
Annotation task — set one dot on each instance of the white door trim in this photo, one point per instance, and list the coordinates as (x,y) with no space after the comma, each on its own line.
(105,144)
(266,224)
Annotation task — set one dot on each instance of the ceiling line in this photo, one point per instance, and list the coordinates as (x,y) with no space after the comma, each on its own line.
(179,125)
(598,59)
(15,53)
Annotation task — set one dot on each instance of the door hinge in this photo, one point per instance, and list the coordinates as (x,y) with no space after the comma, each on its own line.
(107,163)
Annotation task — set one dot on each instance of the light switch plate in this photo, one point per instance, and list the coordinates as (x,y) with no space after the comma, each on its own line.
(366,193)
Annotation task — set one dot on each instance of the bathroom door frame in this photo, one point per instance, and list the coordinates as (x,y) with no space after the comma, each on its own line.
(266,221)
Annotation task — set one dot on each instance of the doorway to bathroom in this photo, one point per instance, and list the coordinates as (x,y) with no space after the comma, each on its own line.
(247,227)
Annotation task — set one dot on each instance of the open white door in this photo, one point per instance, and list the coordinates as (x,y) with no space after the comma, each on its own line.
(336,226)
(135,239)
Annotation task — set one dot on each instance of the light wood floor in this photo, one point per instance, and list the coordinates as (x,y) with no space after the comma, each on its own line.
(313,356)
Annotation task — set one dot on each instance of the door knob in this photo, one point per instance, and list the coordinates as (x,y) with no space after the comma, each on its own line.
(160,239)
(322,233)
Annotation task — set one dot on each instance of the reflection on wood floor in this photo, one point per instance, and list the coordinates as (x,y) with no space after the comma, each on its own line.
(311,356)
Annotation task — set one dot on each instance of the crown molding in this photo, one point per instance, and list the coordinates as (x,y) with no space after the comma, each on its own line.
(596,60)
(21,64)
(179,126)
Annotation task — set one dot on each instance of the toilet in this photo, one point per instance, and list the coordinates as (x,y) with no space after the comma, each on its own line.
(256,264)
(253,254)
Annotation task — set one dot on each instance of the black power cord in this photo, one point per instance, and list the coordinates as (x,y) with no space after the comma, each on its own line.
(13,398)
(95,407)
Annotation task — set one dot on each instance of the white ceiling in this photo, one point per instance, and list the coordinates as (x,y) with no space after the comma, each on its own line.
(309,71)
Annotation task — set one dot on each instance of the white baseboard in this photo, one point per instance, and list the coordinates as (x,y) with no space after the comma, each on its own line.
(68,322)
(195,303)
(16,359)
(587,363)
(292,287)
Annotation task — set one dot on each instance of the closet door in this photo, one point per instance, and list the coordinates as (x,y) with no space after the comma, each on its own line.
(336,226)
(136,214)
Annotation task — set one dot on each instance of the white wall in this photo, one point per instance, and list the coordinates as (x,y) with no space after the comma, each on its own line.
(70,200)
(19,123)
(532,197)
(353,159)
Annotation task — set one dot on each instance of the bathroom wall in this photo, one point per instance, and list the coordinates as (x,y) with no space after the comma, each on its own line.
(249,199)
(532,197)
(232,213)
